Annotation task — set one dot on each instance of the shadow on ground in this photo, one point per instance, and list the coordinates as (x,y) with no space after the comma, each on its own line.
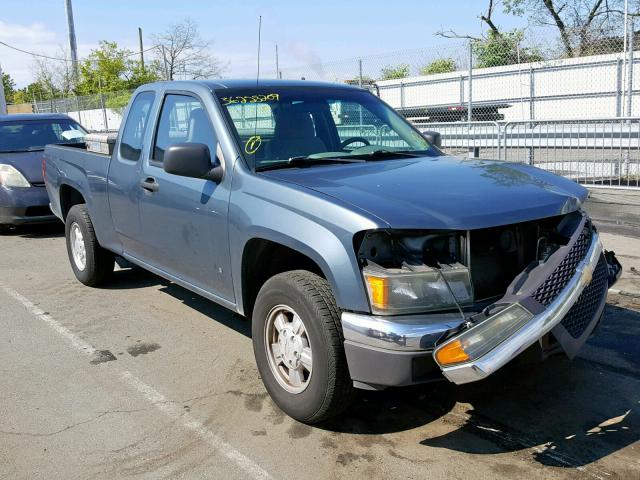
(571,413)
(574,413)
(134,277)
(44,230)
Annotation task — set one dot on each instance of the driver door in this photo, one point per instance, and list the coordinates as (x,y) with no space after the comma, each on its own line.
(184,220)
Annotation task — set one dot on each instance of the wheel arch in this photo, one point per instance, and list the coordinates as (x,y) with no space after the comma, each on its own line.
(262,258)
(69,196)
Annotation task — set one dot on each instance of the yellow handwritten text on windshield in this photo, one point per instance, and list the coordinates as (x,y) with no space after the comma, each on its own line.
(250,98)
(253,144)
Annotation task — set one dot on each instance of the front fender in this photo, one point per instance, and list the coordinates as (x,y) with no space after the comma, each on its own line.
(310,223)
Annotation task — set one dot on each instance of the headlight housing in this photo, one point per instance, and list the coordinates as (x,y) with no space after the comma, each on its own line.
(415,271)
(403,291)
(12,178)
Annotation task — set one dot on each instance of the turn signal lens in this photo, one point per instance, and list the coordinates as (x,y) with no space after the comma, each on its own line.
(451,353)
(378,289)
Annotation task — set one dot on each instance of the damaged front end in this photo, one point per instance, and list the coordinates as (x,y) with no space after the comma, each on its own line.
(474,300)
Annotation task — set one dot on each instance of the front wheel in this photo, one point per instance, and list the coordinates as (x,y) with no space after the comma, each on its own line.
(298,345)
(91,263)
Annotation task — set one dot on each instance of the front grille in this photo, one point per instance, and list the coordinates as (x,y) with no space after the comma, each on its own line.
(552,286)
(582,312)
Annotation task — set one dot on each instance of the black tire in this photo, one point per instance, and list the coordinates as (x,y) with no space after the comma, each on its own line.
(4,229)
(99,262)
(330,389)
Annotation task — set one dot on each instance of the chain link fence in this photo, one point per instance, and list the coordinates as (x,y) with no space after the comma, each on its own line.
(510,98)
(517,101)
(455,80)
(97,112)
(480,81)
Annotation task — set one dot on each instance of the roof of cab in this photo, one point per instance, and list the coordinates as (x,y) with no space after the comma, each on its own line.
(223,84)
(34,116)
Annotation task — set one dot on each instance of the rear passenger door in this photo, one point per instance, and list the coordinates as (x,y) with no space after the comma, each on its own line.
(124,172)
(184,220)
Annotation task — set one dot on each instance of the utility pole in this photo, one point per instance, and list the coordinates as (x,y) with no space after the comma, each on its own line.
(72,41)
(166,67)
(3,101)
(277,64)
(141,48)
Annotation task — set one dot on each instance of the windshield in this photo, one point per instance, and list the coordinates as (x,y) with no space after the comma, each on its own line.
(277,125)
(29,135)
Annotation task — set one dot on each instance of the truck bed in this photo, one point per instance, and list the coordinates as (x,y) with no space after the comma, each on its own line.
(73,167)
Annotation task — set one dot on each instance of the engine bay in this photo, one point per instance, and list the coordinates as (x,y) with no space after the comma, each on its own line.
(472,267)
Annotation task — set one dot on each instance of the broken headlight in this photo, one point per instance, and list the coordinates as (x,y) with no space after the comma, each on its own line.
(412,272)
(483,337)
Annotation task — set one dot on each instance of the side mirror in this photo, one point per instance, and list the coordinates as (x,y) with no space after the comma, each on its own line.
(191,160)
(433,138)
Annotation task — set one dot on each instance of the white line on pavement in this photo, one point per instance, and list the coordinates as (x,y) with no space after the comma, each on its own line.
(149,393)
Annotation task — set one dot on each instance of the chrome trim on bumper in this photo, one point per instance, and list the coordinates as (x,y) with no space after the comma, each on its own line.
(404,333)
(537,327)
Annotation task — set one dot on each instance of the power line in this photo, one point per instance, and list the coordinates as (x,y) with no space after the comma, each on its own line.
(66,59)
(34,54)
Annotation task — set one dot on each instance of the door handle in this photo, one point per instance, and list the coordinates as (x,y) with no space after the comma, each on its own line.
(149,184)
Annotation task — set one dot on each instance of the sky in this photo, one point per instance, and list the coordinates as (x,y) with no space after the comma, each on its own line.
(306,32)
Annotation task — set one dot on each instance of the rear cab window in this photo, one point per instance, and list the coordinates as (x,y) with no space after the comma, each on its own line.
(136,126)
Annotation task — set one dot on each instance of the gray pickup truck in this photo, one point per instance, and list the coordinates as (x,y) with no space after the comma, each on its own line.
(363,255)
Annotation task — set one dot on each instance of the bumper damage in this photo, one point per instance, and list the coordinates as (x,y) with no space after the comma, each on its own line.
(402,350)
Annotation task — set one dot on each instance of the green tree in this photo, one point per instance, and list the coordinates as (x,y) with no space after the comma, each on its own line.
(441,65)
(9,87)
(579,23)
(111,69)
(118,100)
(498,47)
(503,49)
(392,73)
(37,90)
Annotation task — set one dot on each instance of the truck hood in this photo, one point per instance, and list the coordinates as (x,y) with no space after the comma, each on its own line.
(29,164)
(442,192)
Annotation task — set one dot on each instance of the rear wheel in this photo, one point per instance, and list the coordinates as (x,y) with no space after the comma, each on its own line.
(91,263)
(4,229)
(298,344)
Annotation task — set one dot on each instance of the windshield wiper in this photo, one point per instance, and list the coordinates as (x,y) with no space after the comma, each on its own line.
(306,161)
(383,154)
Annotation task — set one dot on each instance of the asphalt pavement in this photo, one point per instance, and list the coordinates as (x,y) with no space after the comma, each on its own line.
(143,379)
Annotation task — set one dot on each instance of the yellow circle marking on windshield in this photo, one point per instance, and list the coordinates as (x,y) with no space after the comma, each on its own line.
(253,144)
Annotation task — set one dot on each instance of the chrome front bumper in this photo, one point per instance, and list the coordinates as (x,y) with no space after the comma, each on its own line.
(537,327)
(404,335)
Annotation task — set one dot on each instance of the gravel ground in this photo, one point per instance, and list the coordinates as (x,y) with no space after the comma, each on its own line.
(144,379)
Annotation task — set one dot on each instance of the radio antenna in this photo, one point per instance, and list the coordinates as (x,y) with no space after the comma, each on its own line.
(259,33)
(255,106)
